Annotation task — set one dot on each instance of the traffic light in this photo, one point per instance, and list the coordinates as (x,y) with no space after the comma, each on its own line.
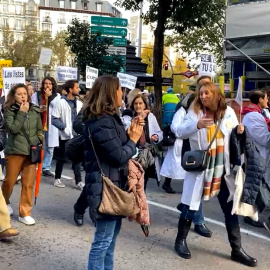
(166,66)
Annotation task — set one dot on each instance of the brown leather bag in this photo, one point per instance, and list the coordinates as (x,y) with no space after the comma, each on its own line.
(115,201)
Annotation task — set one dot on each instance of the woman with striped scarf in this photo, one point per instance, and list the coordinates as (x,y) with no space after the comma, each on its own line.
(209,112)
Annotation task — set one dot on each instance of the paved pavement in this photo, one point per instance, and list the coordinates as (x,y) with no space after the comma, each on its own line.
(55,243)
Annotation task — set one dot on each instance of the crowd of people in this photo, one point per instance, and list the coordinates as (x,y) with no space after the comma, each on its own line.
(115,132)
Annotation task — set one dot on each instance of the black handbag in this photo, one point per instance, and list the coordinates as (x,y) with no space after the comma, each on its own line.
(197,160)
(75,149)
(168,136)
(35,150)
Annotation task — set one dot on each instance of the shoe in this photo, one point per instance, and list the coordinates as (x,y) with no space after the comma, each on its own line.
(80,186)
(179,207)
(47,173)
(27,220)
(78,218)
(58,183)
(168,189)
(18,179)
(3,177)
(8,233)
(202,230)
(253,223)
(267,225)
(10,210)
(241,257)
(180,242)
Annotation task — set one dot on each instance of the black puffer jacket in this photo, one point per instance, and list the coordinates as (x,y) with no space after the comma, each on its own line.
(114,149)
(254,167)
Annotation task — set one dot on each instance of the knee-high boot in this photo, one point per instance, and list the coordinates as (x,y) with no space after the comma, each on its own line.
(180,242)
(238,254)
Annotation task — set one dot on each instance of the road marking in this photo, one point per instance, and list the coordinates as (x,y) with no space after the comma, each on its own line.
(65,176)
(210,220)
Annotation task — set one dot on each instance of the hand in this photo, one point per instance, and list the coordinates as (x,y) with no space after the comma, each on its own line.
(24,107)
(135,131)
(154,138)
(144,114)
(240,129)
(43,108)
(205,123)
(139,120)
(48,92)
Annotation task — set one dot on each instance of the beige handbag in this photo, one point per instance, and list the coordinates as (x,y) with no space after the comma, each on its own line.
(115,201)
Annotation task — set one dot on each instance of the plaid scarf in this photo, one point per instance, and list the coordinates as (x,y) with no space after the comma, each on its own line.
(215,167)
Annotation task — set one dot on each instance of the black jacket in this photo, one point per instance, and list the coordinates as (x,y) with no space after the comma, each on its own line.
(113,149)
(254,168)
(78,124)
(3,135)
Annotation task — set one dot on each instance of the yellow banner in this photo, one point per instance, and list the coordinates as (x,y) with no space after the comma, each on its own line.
(4,63)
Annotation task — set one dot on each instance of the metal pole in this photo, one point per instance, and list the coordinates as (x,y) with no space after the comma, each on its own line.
(140,30)
(268,72)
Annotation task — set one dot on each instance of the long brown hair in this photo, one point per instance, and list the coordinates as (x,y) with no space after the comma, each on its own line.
(102,98)
(219,101)
(143,99)
(11,96)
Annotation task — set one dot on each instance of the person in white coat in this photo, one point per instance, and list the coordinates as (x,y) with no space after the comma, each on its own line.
(210,108)
(258,127)
(151,134)
(63,117)
(46,99)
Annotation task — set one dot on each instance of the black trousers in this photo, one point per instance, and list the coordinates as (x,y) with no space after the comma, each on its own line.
(231,220)
(60,154)
(81,204)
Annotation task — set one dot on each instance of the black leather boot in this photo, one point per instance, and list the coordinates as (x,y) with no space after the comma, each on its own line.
(238,254)
(202,230)
(180,242)
(78,218)
(167,186)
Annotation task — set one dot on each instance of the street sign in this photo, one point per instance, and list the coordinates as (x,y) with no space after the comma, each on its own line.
(122,57)
(120,42)
(109,21)
(110,31)
(117,50)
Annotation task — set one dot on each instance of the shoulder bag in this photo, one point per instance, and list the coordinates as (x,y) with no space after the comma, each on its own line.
(169,137)
(197,161)
(35,150)
(115,201)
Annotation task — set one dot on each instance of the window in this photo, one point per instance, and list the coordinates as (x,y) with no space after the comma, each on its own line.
(31,72)
(61,4)
(99,7)
(5,22)
(19,37)
(18,10)
(46,27)
(47,3)
(73,5)
(18,24)
(134,25)
(62,18)
(5,8)
(85,5)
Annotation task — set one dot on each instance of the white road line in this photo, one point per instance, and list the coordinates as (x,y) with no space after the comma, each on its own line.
(65,176)
(210,220)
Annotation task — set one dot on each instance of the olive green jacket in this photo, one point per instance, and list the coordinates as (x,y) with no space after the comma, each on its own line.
(15,122)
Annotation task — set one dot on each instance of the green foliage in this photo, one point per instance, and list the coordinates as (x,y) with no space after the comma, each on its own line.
(90,50)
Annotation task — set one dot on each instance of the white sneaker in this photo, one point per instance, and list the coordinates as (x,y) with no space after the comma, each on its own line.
(10,210)
(58,183)
(2,177)
(27,220)
(80,186)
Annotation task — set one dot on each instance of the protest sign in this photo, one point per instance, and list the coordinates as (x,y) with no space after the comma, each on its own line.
(66,73)
(208,65)
(45,56)
(12,76)
(127,81)
(91,76)
(3,64)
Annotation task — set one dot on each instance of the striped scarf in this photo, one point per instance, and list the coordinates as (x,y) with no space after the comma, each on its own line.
(215,166)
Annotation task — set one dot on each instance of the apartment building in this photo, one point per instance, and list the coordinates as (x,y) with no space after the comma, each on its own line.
(18,15)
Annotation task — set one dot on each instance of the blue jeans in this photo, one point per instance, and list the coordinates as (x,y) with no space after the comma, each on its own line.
(101,256)
(196,216)
(48,153)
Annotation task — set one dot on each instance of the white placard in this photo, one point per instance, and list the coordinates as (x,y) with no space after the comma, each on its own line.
(117,50)
(45,56)
(66,73)
(12,76)
(208,65)
(127,81)
(91,76)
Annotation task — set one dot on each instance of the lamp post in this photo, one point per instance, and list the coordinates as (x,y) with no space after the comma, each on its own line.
(140,30)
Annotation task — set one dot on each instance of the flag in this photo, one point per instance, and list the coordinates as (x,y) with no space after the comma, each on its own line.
(239,95)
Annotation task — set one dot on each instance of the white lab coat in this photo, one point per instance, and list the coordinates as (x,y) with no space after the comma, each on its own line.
(171,166)
(194,181)
(258,130)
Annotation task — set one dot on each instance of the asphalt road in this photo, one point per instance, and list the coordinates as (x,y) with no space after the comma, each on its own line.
(55,243)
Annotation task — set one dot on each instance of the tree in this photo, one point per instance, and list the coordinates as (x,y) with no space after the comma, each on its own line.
(8,40)
(206,39)
(91,49)
(178,15)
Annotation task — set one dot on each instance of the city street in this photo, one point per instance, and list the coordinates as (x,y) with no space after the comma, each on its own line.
(55,243)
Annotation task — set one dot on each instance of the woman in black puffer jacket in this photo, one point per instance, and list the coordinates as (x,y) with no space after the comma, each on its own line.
(114,148)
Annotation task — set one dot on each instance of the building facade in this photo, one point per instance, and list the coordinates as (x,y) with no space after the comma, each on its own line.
(56,15)
(18,16)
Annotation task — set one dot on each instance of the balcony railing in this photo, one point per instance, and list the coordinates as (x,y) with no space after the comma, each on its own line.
(31,13)
(47,19)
